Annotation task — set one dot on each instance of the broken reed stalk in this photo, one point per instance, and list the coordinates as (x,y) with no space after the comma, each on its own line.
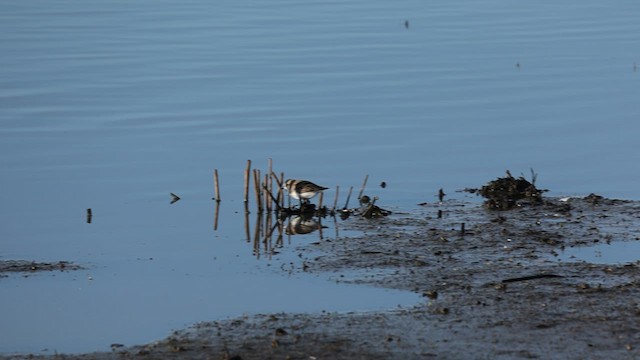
(267,202)
(278,181)
(335,200)
(269,183)
(370,210)
(216,184)
(364,184)
(346,204)
(321,197)
(280,196)
(275,201)
(247,172)
(281,189)
(256,182)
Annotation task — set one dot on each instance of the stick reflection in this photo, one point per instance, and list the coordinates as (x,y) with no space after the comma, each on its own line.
(269,230)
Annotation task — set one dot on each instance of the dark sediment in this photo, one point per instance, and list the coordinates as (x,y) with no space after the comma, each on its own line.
(492,290)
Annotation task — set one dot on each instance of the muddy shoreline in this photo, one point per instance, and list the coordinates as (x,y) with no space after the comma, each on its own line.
(492,289)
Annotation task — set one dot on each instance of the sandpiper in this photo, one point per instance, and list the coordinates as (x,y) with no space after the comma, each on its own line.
(302,190)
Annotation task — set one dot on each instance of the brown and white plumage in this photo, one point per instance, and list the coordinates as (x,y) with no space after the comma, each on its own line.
(302,189)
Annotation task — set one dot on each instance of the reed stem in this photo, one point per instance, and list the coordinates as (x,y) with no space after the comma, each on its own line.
(256,182)
(275,201)
(269,183)
(247,172)
(346,204)
(216,184)
(363,186)
(265,185)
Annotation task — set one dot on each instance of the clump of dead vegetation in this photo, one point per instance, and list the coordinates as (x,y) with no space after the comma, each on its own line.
(509,192)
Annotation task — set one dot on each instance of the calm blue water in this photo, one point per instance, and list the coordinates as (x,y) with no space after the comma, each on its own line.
(111,105)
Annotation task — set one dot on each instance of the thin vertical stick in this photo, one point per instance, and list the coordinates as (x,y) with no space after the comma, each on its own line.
(320,200)
(267,201)
(281,189)
(269,183)
(335,201)
(346,204)
(256,182)
(247,172)
(216,184)
(363,186)
(268,195)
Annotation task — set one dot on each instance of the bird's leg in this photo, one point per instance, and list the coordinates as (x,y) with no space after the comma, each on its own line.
(304,203)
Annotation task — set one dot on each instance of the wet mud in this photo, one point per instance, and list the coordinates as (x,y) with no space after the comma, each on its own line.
(491,283)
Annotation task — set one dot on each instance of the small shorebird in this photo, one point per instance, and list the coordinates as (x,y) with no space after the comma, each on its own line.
(302,190)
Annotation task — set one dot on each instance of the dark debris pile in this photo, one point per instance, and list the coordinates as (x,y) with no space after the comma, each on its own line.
(508,192)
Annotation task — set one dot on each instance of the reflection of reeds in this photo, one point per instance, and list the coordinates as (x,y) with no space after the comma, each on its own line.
(215,216)
(256,234)
(263,235)
(246,221)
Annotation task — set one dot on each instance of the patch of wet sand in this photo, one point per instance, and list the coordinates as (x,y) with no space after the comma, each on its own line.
(491,291)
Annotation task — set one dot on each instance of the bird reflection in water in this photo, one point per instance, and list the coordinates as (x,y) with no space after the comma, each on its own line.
(299,225)
(271,232)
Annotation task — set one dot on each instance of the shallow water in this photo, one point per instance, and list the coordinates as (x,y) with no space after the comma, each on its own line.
(112,105)
(613,253)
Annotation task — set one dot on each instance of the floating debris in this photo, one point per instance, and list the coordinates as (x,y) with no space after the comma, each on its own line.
(593,199)
(32,266)
(373,211)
